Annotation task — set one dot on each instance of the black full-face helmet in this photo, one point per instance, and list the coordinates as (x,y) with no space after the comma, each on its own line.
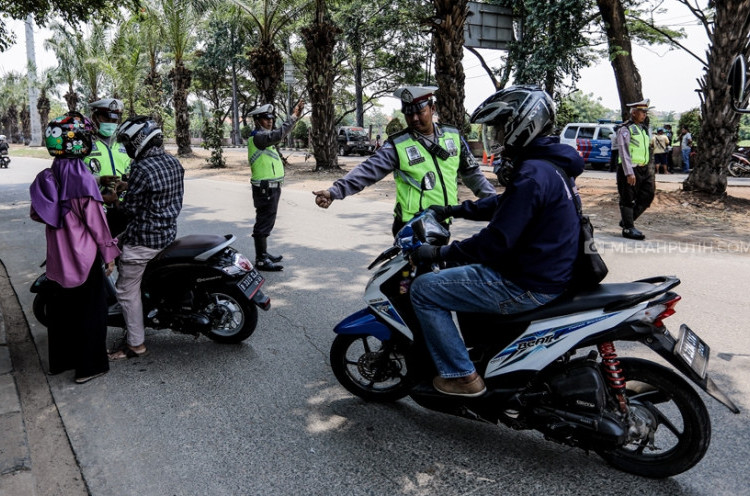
(514,117)
(139,134)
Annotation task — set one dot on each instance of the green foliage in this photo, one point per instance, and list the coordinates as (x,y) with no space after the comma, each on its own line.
(560,47)
(582,107)
(213,134)
(394,126)
(71,13)
(300,132)
(691,119)
(743,133)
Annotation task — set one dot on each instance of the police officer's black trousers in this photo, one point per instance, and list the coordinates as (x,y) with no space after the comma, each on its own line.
(634,200)
(266,202)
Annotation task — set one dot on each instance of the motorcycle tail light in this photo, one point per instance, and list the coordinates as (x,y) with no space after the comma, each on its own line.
(655,313)
(240,263)
(668,310)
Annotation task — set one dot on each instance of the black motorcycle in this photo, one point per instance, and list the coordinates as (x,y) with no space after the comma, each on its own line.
(4,161)
(198,284)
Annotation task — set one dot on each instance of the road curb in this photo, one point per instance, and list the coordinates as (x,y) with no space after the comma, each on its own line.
(36,457)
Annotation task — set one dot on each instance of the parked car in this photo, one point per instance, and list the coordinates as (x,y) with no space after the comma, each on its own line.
(354,140)
(593,140)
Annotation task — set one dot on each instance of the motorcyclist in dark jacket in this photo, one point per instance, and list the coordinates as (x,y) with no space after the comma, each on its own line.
(524,257)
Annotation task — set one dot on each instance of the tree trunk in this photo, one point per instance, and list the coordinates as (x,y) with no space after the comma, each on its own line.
(358,91)
(71,98)
(719,125)
(320,38)
(627,78)
(153,96)
(43,106)
(25,125)
(181,77)
(448,44)
(267,68)
(13,135)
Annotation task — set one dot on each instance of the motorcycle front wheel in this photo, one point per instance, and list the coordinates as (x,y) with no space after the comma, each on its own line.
(233,317)
(39,307)
(369,368)
(670,426)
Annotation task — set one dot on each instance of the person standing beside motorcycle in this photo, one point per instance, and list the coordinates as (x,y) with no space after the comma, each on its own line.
(66,198)
(108,159)
(267,177)
(423,148)
(524,257)
(635,177)
(153,202)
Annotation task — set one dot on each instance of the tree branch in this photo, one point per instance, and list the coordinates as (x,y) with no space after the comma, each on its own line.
(670,38)
(484,65)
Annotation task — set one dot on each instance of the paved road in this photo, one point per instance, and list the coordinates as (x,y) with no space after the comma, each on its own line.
(267,417)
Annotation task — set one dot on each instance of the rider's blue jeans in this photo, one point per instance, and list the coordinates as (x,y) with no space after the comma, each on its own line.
(468,288)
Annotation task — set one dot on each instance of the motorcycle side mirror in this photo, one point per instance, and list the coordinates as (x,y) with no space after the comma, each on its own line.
(738,82)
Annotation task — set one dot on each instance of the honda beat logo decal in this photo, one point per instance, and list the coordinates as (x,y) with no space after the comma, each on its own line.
(539,340)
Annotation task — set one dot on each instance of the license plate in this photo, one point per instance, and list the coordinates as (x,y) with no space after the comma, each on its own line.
(692,350)
(250,284)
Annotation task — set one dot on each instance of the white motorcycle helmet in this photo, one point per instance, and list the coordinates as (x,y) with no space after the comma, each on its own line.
(138,134)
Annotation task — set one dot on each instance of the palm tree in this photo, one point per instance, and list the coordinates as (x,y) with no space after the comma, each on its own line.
(47,85)
(179,22)
(66,60)
(266,61)
(448,43)
(125,65)
(728,32)
(14,93)
(151,34)
(320,38)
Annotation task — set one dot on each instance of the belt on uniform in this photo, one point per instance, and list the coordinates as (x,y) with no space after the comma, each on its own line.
(271,184)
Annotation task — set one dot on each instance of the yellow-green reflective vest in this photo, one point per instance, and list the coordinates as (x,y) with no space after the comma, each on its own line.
(265,164)
(638,145)
(414,163)
(113,161)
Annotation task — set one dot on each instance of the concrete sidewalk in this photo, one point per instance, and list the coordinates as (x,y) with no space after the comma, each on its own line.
(36,458)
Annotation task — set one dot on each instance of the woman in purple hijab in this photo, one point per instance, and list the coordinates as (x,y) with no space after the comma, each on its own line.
(66,199)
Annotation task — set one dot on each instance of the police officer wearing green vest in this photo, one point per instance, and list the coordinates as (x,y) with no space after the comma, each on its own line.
(267,177)
(635,178)
(108,160)
(423,148)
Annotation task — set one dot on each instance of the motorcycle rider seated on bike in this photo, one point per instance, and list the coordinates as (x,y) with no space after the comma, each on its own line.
(524,257)
(3,145)
(153,202)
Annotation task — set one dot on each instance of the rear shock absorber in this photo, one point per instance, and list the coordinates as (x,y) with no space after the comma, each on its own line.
(613,372)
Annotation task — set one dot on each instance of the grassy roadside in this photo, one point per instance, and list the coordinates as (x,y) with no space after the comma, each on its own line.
(28,151)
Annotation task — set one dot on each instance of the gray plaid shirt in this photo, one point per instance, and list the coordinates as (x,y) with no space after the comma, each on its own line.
(153,200)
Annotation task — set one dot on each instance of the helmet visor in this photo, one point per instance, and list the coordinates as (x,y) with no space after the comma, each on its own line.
(493,139)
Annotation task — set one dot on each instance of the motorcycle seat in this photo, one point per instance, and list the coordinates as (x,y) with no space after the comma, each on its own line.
(192,246)
(608,297)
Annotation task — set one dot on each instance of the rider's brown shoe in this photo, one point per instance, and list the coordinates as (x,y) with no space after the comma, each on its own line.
(470,386)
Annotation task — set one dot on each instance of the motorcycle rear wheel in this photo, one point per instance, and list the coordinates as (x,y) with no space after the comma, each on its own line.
(678,420)
(369,368)
(233,317)
(735,169)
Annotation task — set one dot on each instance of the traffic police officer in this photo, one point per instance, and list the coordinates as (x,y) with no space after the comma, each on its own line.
(424,149)
(108,160)
(267,176)
(635,178)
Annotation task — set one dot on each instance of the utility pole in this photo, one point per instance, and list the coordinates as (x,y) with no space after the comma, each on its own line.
(36,127)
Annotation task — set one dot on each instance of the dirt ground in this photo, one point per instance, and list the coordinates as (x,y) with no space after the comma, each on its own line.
(674,215)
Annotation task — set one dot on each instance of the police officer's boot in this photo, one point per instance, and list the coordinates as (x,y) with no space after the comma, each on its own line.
(628,230)
(262,260)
